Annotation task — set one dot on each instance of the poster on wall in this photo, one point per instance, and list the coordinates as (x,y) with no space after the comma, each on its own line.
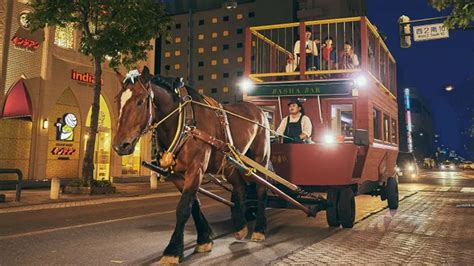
(64,148)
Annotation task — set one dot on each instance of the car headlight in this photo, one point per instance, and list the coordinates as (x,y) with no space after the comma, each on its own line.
(452,167)
(397,169)
(411,168)
(442,167)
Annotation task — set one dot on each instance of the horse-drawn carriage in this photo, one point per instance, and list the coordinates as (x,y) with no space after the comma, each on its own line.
(353,111)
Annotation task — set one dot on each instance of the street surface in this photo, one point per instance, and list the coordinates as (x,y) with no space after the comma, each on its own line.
(433,225)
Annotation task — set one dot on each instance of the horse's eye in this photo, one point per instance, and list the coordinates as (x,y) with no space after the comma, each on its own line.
(140,102)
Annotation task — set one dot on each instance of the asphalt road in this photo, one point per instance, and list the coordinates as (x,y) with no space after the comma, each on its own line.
(136,232)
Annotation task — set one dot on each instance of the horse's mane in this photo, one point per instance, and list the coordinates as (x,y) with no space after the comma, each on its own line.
(170,83)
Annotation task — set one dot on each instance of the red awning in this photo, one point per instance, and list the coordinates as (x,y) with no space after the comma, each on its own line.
(18,102)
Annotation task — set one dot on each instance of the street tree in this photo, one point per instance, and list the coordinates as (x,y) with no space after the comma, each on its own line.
(119,31)
(462,12)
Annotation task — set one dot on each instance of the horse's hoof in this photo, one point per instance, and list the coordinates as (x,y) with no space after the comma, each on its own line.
(203,248)
(242,233)
(258,237)
(169,260)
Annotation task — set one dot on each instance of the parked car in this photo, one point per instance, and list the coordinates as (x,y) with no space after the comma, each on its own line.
(467,165)
(447,166)
(406,165)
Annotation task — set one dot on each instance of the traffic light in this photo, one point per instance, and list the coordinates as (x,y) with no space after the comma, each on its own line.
(405,32)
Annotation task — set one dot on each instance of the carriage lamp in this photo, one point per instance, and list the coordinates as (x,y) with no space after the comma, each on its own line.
(329,138)
(45,124)
(360,81)
(246,85)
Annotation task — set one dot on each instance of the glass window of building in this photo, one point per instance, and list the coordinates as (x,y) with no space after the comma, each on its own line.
(167,67)
(177,39)
(251,14)
(225,75)
(225,47)
(225,89)
(201,50)
(178,26)
(201,91)
(131,163)
(214,35)
(225,33)
(240,73)
(341,120)
(201,77)
(201,37)
(167,54)
(64,36)
(214,76)
(225,18)
(201,22)
(214,48)
(240,16)
(394,130)
(214,62)
(376,121)
(240,31)
(177,66)
(177,53)
(214,90)
(386,127)
(240,45)
(214,20)
(240,59)
(200,63)
(225,61)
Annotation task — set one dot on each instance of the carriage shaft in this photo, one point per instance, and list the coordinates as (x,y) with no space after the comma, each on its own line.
(268,185)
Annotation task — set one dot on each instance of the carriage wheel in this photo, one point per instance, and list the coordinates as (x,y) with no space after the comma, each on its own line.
(392,193)
(346,207)
(331,211)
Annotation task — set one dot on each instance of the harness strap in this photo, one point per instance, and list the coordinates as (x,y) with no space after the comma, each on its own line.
(205,137)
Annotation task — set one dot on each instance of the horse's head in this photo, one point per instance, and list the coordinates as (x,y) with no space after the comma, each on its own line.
(135,106)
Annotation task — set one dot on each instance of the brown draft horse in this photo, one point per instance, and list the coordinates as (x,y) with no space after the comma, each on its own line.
(153,97)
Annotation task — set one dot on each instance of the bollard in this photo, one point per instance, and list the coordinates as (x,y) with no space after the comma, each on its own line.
(153,181)
(55,186)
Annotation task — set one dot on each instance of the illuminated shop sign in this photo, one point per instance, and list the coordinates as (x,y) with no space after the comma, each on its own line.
(84,77)
(24,43)
(65,127)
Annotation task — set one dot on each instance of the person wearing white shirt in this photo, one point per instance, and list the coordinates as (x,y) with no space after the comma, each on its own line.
(311,50)
(297,126)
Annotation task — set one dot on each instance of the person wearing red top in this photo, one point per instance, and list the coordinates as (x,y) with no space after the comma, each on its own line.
(328,53)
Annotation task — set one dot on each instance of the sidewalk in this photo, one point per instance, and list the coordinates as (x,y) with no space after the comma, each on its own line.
(36,199)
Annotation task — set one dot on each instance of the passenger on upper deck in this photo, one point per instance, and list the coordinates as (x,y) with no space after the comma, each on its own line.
(296,126)
(312,62)
(348,59)
(328,53)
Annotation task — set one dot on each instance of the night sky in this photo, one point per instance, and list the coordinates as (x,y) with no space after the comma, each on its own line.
(430,65)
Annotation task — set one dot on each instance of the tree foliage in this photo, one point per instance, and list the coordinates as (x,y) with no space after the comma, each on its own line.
(462,12)
(118,29)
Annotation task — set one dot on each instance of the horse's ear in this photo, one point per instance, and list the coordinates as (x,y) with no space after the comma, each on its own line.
(145,75)
(120,77)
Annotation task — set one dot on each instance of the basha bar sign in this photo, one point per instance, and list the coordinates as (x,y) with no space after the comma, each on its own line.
(301,88)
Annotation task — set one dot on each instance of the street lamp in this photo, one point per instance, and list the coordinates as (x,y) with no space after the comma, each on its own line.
(449,88)
(230,4)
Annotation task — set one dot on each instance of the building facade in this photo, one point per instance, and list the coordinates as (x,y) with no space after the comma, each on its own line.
(208,37)
(46,92)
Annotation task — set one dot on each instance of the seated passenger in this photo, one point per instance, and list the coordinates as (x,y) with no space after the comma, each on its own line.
(348,59)
(297,126)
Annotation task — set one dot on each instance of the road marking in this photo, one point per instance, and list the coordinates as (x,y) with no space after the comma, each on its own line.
(52,230)
(442,189)
(467,189)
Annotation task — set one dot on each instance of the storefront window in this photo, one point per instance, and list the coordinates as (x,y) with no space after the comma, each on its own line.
(394,131)
(131,163)
(386,128)
(341,120)
(64,36)
(377,134)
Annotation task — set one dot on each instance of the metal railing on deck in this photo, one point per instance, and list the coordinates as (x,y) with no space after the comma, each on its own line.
(322,49)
